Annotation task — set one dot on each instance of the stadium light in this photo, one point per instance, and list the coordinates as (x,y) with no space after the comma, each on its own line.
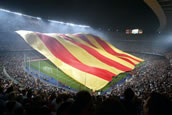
(58,22)
(28,16)
(17,13)
(20,14)
(38,18)
(83,26)
(69,24)
(5,10)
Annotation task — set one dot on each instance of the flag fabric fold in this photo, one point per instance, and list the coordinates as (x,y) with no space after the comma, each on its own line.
(86,58)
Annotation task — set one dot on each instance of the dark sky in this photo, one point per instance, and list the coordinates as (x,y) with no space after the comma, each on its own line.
(105,14)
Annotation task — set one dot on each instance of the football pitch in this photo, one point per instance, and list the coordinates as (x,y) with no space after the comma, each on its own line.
(46,67)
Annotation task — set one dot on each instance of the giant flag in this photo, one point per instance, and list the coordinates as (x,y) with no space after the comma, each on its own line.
(86,58)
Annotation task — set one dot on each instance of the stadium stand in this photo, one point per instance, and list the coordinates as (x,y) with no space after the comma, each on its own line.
(37,97)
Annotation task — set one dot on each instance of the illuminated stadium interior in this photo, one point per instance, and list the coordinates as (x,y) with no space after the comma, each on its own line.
(85,57)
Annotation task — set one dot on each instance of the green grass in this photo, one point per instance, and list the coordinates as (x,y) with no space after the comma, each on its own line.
(118,78)
(51,70)
(115,80)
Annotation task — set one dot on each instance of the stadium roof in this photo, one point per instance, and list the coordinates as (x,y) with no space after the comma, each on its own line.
(166,5)
(110,15)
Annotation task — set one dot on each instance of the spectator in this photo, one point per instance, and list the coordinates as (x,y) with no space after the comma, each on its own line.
(157,104)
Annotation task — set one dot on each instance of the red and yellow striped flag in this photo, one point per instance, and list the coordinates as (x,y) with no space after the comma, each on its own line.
(86,58)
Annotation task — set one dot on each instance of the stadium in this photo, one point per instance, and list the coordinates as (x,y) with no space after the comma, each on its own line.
(86,57)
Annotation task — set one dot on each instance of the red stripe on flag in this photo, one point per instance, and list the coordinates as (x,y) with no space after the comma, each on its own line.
(100,56)
(110,50)
(60,52)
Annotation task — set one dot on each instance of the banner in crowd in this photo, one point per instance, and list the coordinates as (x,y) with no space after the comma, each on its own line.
(86,58)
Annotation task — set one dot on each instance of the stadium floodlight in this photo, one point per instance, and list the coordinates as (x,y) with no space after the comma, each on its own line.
(28,16)
(17,13)
(70,24)
(20,14)
(38,18)
(5,10)
(83,26)
(58,22)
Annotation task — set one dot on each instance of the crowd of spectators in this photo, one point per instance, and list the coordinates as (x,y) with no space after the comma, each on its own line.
(169,57)
(148,92)
(140,47)
(154,75)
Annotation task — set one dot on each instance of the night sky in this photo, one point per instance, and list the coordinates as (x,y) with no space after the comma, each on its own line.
(99,14)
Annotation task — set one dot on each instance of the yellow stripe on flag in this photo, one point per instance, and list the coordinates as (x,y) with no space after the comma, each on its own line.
(89,80)
(85,57)
(102,51)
